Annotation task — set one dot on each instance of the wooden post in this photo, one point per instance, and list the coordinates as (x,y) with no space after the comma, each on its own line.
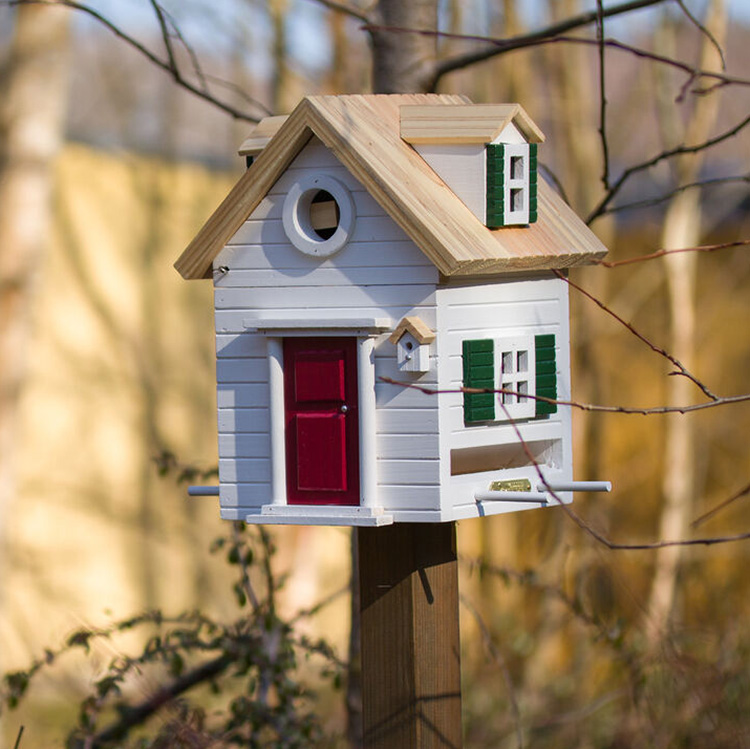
(411,675)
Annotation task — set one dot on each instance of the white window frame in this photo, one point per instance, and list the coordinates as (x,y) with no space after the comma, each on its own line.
(518,185)
(510,352)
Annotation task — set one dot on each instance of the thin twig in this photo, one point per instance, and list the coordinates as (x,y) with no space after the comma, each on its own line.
(662,253)
(588,407)
(345,9)
(704,31)
(148,54)
(526,40)
(663,156)
(598,535)
(649,202)
(721,506)
(18,738)
(140,713)
(682,370)
(602,94)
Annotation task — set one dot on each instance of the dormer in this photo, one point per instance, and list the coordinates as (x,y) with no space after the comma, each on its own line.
(260,136)
(485,153)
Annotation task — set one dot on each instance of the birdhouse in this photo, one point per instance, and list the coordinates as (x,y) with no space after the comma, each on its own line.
(392,338)
(412,338)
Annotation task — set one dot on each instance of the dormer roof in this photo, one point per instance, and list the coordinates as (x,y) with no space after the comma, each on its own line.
(364,133)
(465,123)
(260,136)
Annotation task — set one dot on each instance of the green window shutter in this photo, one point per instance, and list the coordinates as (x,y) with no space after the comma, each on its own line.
(479,372)
(495,185)
(532,183)
(546,373)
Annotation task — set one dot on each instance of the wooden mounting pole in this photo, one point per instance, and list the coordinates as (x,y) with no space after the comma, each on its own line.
(411,674)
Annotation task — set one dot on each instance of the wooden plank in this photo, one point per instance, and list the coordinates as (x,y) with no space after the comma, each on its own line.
(418,445)
(408,470)
(271,232)
(408,421)
(245,470)
(243,395)
(464,123)
(252,420)
(241,369)
(244,446)
(364,298)
(232,321)
(411,676)
(329,277)
(359,255)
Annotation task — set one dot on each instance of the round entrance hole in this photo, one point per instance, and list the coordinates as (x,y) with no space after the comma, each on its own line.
(325,214)
(318,215)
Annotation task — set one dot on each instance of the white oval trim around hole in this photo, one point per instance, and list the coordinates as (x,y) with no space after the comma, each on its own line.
(297,222)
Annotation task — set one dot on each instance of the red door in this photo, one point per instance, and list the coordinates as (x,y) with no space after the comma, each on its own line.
(321,419)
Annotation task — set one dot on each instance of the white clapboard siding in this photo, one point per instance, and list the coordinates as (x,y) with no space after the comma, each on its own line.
(388,395)
(532,306)
(407,497)
(502,319)
(415,445)
(386,366)
(272,205)
(366,229)
(231,322)
(242,370)
(237,344)
(327,277)
(347,297)
(284,257)
(244,446)
(409,472)
(253,420)
(245,495)
(407,421)
(245,470)
(242,395)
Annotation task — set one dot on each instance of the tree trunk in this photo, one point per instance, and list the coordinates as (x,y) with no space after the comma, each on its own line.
(32,99)
(682,229)
(403,63)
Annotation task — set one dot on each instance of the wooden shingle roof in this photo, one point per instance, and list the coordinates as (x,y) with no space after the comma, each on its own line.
(363,132)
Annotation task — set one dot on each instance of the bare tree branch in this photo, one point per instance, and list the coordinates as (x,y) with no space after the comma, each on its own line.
(704,31)
(589,407)
(501,46)
(347,10)
(681,370)
(169,66)
(649,202)
(662,253)
(721,506)
(663,156)
(602,93)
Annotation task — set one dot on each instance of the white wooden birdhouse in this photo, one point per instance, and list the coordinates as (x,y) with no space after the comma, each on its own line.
(391,338)
(412,338)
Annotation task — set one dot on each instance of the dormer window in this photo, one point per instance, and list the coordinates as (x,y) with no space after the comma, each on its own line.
(511,184)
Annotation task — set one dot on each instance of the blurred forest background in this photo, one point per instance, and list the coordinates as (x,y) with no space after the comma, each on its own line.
(108,167)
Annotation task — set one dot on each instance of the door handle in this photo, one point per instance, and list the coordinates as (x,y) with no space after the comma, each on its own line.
(344,408)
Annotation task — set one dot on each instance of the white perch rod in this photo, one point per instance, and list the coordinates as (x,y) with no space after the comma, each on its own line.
(203,491)
(575,486)
(489,496)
